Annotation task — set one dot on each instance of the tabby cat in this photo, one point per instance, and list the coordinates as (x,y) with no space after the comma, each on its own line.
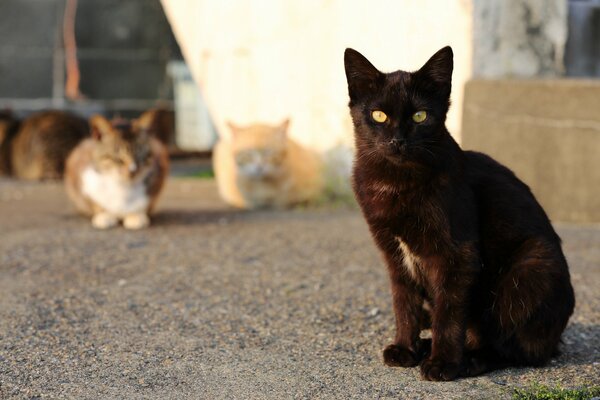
(470,252)
(118,173)
(260,166)
(43,142)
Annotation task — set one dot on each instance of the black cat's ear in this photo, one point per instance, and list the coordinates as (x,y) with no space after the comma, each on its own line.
(362,76)
(439,67)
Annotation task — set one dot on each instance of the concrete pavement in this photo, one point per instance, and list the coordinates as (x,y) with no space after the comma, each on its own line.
(211,303)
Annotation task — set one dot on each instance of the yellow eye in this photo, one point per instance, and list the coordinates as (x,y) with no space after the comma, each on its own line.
(379,116)
(419,116)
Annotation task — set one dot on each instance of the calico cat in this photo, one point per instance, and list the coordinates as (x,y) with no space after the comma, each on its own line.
(118,173)
(43,142)
(261,167)
(470,252)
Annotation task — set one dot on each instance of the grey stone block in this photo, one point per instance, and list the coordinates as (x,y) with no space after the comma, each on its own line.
(547,132)
(519,38)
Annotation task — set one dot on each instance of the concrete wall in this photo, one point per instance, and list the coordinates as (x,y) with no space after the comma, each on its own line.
(548,133)
(519,38)
(270,59)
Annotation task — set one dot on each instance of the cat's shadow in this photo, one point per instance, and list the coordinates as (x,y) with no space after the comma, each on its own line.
(196,217)
(173,217)
(580,345)
(178,217)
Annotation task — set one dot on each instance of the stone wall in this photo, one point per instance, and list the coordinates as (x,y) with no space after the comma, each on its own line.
(519,38)
(547,132)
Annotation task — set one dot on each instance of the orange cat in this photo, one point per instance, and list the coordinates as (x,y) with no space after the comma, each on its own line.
(118,174)
(259,166)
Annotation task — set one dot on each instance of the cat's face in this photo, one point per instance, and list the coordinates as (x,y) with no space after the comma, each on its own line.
(122,147)
(399,116)
(259,151)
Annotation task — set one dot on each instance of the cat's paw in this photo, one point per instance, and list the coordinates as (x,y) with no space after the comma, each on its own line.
(136,221)
(104,221)
(439,370)
(398,356)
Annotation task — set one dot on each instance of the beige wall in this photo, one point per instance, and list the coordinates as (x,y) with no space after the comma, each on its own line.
(548,132)
(264,60)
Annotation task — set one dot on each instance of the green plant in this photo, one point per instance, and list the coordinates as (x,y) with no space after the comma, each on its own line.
(542,392)
(204,174)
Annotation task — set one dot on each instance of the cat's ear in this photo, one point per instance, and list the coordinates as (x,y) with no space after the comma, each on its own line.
(148,120)
(100,127)
(284,126)
(233,129)
(362,76)
(282,130)
(439,67)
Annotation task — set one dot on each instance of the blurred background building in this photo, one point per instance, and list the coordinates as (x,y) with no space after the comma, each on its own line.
(524,85)
(123,48)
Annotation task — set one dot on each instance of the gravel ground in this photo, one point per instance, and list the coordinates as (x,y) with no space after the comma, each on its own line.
(211,303)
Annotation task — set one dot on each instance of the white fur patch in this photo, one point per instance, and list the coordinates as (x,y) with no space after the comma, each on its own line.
(114,195)
(411,261)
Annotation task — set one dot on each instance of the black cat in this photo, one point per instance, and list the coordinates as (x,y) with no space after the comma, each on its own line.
(470,252)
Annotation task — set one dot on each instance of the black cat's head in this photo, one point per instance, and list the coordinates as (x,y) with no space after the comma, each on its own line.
(399,116)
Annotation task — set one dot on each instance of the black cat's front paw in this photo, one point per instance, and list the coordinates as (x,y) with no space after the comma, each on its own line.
(439,370)
(398,356)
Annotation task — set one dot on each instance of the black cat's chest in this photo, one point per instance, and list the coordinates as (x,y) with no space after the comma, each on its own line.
(413,219)
(396,206)
(382,198)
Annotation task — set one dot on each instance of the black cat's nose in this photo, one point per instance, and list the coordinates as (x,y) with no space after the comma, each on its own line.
(397,142)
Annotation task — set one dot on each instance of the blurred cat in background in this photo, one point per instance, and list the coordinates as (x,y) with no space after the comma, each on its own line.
(119,172)
(43,142)
(260,166)
(164,126)
(9,125)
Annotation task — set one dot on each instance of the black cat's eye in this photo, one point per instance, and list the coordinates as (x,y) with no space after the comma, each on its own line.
(379,116)
(419,116)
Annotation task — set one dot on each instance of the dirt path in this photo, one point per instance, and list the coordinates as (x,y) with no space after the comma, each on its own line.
(212,304)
